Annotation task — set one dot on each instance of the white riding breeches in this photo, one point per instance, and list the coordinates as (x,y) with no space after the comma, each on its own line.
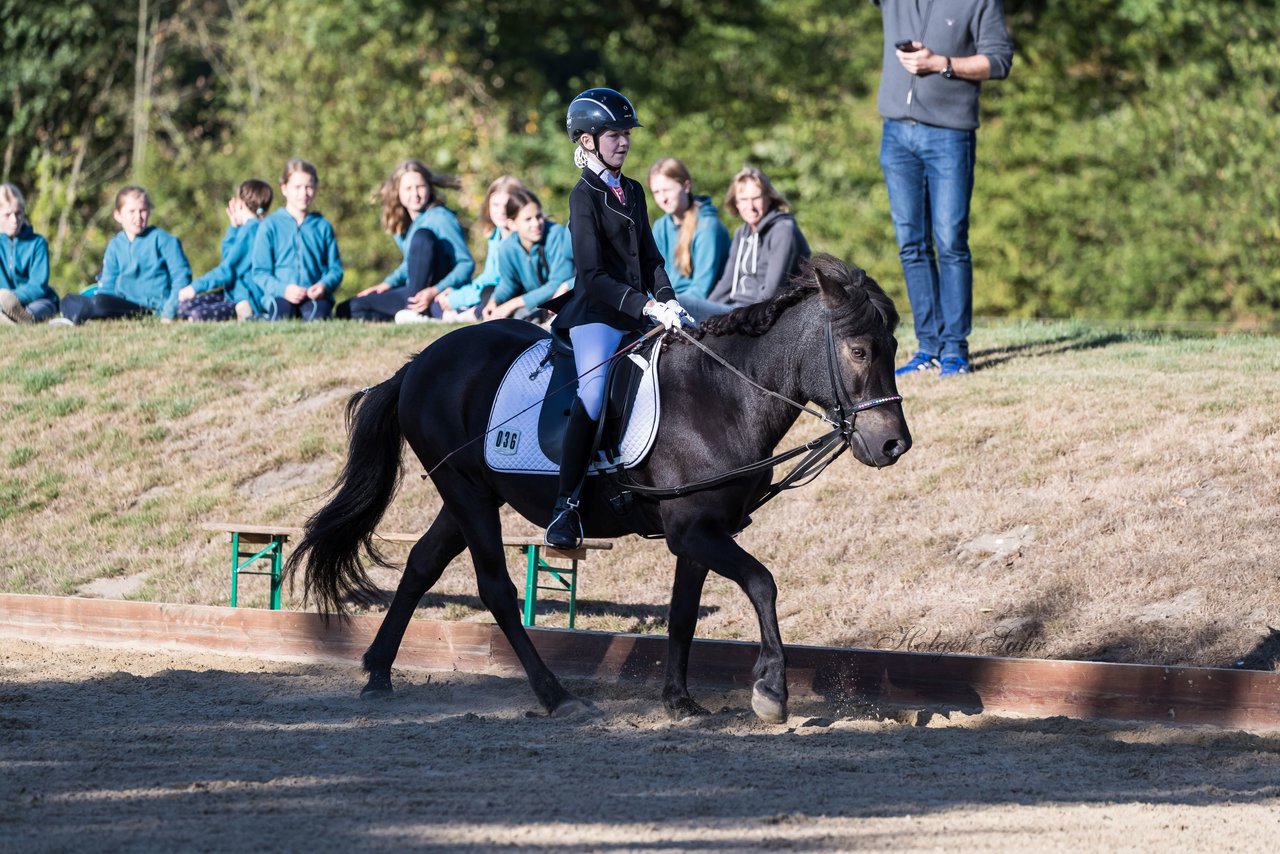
(593,344)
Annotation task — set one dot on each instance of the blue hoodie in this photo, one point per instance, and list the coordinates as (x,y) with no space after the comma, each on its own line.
(709,251)
(535,273)
(147,271)
(285,253)
(24,265)
(234,276)
(443,223)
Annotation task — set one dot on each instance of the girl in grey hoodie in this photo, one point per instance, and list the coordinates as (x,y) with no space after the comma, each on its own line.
(767,248)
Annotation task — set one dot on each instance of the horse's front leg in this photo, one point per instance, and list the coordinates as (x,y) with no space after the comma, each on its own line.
(686,596)
(713,547)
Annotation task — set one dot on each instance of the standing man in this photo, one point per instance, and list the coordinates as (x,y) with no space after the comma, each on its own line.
(936,53)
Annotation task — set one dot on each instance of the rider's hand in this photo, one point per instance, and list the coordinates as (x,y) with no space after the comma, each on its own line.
(685,318)
(663,313)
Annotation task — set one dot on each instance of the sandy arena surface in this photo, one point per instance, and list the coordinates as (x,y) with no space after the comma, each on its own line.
(104,750)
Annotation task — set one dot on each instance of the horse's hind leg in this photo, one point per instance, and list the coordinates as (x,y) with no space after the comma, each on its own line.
(686,595)
(477,513)
(427,561)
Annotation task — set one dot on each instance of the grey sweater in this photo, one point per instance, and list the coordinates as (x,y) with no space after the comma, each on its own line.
(951,28)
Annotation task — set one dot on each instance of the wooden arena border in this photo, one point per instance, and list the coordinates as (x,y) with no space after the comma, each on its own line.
(937,682)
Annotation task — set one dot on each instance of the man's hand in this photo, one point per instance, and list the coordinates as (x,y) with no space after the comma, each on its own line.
(921,61)
(295,294)
(187,293)
(380,288)
(317,291)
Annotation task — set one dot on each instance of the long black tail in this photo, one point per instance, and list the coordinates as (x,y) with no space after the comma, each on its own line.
(339,532)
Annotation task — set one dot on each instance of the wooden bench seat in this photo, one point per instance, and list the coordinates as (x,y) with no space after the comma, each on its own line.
(253,543)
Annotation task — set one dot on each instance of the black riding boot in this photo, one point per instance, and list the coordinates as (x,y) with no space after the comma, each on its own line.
(565,530)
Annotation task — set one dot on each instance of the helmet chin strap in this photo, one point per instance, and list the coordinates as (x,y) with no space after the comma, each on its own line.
(593,159)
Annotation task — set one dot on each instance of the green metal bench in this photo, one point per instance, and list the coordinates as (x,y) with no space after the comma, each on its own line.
(252,545)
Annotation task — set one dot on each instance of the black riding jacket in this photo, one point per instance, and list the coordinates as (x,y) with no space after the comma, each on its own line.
(618,264)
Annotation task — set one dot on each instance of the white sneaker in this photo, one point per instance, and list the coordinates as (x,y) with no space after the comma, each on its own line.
(408,315)
(60,321)
(11,309)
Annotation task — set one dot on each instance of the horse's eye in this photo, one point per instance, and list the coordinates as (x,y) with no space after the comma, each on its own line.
(858,353)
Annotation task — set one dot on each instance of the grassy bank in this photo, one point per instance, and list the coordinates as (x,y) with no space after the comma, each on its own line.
(1087,492)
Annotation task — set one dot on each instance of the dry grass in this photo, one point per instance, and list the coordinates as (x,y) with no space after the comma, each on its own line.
(1086,493)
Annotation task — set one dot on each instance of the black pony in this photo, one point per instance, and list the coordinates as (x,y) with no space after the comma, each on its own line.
(728,396)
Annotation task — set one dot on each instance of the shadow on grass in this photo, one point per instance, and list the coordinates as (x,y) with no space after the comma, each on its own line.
(1264,656)
(1075,342)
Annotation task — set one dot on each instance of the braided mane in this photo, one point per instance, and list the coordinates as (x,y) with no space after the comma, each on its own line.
(869,306)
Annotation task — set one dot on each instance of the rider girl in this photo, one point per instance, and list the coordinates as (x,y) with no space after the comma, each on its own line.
(621,279)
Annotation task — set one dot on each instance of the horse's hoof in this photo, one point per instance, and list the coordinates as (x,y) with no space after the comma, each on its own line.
(685,708)
(378,687)
(767,706)
(573,707)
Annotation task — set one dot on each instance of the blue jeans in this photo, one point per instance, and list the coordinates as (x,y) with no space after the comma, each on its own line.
(307,310)
(41,309)
(929,173)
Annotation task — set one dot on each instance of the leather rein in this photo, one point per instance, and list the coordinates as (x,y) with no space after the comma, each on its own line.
(820,452)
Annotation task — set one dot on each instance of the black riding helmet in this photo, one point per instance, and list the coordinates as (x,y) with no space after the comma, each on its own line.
(598,110)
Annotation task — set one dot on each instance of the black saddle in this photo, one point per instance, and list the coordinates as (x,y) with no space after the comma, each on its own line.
(622,379)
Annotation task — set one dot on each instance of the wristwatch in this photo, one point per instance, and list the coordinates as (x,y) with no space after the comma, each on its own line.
(947,72)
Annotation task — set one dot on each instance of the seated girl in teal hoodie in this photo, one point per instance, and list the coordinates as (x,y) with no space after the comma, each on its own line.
(535,262)
(692,239)
(295,253)
(436,257)
(142,272)
(464,304)
(25,295)
(228,290)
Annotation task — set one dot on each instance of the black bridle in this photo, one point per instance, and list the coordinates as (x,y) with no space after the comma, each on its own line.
(820,452)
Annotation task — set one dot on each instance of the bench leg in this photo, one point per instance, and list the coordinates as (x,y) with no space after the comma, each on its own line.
(277,571)
(242,560)
(235,567)
(531,585)
(534,564)
(573,591)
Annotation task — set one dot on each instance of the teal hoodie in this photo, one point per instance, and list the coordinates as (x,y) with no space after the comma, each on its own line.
(443,223)
(24,265)
(234,276)
(709,251)
(465,296)
(285,253)
(147,271)
(535,273)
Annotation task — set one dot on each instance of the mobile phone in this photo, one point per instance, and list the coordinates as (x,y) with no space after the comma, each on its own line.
(906,46)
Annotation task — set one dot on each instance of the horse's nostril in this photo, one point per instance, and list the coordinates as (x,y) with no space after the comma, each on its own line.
(896,448)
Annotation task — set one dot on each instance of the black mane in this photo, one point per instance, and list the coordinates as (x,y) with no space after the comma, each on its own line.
(869,306)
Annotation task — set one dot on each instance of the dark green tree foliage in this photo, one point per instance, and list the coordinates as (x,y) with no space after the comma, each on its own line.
(1127,169)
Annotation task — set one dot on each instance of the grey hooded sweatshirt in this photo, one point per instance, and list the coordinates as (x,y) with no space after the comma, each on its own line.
(761,261)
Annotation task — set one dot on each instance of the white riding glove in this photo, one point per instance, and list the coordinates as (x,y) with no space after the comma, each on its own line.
(664,314)
(685,317)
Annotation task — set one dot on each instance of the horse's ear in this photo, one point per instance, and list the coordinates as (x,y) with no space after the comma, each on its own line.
(834,296)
